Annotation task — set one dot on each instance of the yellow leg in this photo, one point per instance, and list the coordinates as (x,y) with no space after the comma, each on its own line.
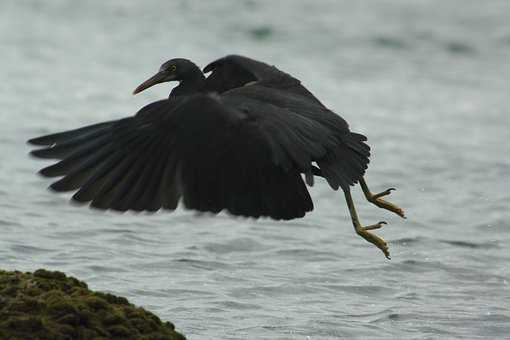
(378,201)
(364,231)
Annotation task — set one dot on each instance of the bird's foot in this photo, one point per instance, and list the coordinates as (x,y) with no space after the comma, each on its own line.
(372,238)
(378,201)
(365,231)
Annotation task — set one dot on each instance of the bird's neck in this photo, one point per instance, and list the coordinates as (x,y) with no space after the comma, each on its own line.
(191,84)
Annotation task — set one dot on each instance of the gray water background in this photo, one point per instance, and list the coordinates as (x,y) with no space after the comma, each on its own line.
(427,81)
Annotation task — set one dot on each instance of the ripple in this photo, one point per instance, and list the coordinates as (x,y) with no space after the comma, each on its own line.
(362,290)
(236,245)
(131,238)
(234,305)
(459,47)
(472,245)
(410,241)
(73,234)
(116,231)
(106,269)
(416,266)
(208,265)
(272,291)
(26,249)
(392,316)
(369,315)
(166,293)
(391,42)
(10,223)
(309,254)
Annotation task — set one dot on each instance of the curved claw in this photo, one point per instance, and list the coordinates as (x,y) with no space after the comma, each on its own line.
(378,201)
(375,240)
(375,226)
(384,193)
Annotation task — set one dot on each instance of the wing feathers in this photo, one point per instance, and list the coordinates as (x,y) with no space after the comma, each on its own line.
(71,134)
(235,152)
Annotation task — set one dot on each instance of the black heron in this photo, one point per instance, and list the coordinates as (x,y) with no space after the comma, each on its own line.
(240,140)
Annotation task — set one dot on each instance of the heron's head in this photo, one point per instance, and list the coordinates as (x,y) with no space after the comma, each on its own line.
(177,69)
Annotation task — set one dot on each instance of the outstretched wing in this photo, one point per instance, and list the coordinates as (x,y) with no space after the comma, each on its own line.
(234,71)
(213,155)
(116,165)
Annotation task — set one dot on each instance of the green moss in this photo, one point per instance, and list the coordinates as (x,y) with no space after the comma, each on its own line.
(51,305)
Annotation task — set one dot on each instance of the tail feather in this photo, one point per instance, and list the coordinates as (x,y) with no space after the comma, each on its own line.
(346,164)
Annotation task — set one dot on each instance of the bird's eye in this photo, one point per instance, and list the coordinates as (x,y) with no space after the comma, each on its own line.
(173,68)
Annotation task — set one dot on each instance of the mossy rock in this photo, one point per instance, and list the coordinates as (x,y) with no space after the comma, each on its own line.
(51,305)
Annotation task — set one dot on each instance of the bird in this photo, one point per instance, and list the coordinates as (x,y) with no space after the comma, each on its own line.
(246,139)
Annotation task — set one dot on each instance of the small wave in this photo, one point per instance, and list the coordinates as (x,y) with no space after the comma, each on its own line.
(372,314)
(308,254)
(25,249)
(235,245)
(165,293)
(409,241)
(116,231)
(391,42)
(362,290)
(471,245)
(234,305)
(105,269)
(458,47)
(416,266)
(10,223)
(208,265)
